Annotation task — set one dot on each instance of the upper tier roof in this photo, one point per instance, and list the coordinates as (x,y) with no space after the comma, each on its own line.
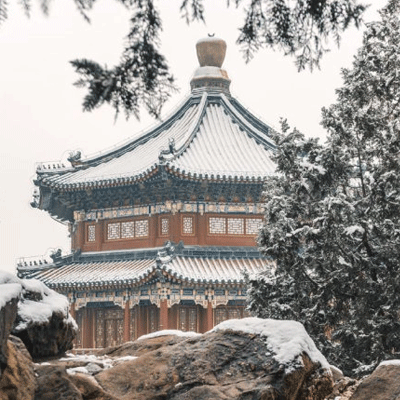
(210,136)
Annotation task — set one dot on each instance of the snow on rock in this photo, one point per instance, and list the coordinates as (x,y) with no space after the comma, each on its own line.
(286,340)
(10,288)
(168,332)
(390,362)
(8,292)
(39,303)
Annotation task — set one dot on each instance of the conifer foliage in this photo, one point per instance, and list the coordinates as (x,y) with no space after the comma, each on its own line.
(333,215)
(300,28)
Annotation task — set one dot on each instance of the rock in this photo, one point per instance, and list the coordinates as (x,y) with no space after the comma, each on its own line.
(382,384)
(43,321)
(218,365)
(54,383)
(89,388)
(10,292)
(337,374)
(18,380)
(8,314)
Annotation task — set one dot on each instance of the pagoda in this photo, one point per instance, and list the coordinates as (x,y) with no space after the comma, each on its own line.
(163,227)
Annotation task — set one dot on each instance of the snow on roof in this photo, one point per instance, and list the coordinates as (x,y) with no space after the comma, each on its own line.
(210,136)
(287,340)
(194,269)
(169,332)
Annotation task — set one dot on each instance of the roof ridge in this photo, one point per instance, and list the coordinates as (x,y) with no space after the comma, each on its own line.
(192,129)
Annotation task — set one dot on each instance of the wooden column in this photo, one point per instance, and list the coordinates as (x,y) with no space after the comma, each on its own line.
(99,235)
(153,230)
(163,315)
(72,310)
(209,317)
(87,331)
(201,229)
(127,323)
(79,236)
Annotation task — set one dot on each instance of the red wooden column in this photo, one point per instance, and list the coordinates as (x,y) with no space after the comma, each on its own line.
(72,310)
(163,315)
(201,229)
(87,328)
(127,322)
(209,317)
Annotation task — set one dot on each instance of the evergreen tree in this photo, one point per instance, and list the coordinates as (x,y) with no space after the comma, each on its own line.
(297,27)
(333,215)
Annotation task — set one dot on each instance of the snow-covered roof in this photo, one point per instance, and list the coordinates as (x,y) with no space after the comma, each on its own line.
(134,270)
(209,137)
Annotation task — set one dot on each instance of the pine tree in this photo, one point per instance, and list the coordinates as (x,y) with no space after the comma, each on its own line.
(300,28)
(333,215)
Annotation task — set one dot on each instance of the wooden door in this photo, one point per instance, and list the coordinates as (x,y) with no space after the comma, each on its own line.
(188,319)
(109,327)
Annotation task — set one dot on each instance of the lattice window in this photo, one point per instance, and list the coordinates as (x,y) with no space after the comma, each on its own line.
(220,315)
(127,230)
(91,233)
(234,313)
(235,226)
(164,226)
(142,228)
(187,225)
(113,231)
(217,226)
(253,225)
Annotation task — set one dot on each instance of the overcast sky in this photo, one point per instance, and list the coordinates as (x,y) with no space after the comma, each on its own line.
(41,117)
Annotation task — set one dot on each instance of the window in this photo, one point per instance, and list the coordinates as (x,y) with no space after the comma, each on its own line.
(164,226)
(142,228)
(128,229)
(187,226)
(113,231)
(217,226)
(234,226)
(91,233)
(253,225)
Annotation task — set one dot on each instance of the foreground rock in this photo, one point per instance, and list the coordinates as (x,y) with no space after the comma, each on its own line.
(43,322)
(18,381)
(218,365)
(382,384)
(10,292)
(242,359)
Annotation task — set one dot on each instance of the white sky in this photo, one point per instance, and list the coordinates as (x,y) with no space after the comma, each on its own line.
(41,117)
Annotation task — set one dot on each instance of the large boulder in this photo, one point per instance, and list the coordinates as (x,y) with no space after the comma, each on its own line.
(239,359)
(10,292)
(43,321)
(18,381)
(382,384)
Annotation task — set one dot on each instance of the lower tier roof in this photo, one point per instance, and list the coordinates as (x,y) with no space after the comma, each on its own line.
(191,264)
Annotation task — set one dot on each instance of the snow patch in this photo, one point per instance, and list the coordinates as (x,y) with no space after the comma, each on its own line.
(73,371)
(352,229)
(40,311)
(8,292)
(286,340)
(169,332)
(389,362)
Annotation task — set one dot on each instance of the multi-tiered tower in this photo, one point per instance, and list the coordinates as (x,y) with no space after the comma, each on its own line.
(164,226)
